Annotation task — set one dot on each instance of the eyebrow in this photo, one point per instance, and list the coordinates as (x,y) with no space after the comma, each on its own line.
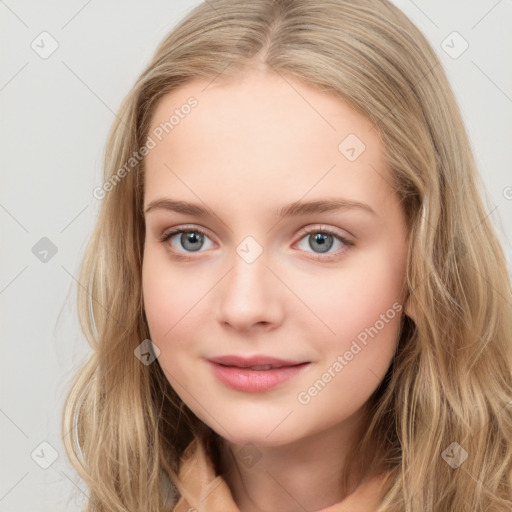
(291,210)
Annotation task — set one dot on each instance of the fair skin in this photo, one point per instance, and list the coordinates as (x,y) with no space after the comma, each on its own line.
(251,146)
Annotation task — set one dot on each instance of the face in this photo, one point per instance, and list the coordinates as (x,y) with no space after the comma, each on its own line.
(318,287)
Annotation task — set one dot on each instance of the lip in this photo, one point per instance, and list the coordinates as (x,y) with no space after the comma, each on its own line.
(257,360)
(235,372)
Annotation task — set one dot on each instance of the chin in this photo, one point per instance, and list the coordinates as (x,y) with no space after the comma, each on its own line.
(266,433)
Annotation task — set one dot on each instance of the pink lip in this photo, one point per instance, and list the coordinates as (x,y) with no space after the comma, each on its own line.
(245,362)
(234,372)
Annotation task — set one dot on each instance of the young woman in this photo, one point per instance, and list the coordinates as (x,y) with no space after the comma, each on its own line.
(294,295)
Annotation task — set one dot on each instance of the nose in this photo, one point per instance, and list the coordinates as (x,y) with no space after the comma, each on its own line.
(249,297)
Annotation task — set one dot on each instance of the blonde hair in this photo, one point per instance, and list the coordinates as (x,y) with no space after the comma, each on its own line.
(448,388)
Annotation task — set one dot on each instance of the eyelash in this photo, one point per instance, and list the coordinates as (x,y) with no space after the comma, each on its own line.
(304,232)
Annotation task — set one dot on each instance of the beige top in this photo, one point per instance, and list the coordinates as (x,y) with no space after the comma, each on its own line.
(202,490)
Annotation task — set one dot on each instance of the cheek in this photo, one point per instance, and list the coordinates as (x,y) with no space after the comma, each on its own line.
(363,311)
(175,307)
(352,298)
(164,309)
(168,295)
(158,302)
(365,318)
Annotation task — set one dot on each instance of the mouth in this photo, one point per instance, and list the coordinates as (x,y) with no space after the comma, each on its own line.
(260,367)
(258,362)
(252,376)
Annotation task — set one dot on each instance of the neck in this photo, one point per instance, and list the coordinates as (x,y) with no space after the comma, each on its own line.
(302,475)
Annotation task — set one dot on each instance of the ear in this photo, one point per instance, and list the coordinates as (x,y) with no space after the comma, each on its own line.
(409,307)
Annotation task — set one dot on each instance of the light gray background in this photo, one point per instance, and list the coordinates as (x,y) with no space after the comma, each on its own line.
(55,115)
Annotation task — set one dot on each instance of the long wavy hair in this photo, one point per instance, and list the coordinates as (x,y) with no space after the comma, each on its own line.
(440,419)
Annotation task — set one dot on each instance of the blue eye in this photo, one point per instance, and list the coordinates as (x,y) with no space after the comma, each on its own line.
(324,239)
(192,240)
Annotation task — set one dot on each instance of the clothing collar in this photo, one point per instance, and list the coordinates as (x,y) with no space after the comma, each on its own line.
(202,490)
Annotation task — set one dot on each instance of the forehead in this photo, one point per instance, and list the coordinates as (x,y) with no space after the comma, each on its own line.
(260,134)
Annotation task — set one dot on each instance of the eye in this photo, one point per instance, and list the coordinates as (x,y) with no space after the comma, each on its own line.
(323,239)
(192,240)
